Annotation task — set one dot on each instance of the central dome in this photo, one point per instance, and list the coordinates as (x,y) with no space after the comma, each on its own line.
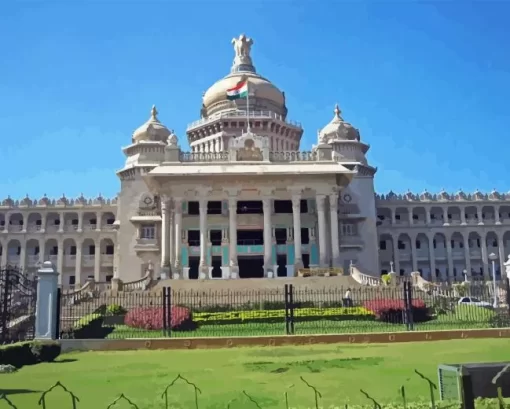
(263,95)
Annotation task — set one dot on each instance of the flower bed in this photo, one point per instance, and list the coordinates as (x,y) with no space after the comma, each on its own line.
(300,314)
(151,318)
(392,311)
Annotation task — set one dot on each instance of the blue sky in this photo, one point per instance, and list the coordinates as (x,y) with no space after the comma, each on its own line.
(427,83)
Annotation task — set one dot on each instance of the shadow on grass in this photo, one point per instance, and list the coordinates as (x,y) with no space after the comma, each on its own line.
(65,361)
(8,392)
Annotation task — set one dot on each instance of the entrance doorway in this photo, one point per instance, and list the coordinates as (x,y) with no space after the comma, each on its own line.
(193,263)
(306,260)
(216,265)
(251,266)
(281,260)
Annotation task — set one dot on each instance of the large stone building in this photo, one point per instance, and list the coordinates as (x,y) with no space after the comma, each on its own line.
(246,202)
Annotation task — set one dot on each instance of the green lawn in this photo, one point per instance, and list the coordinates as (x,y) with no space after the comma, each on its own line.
(338,372)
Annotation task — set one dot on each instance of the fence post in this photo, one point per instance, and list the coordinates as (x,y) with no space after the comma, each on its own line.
(410,313)
(291,303)
(289,309)
(46,313)
(287,313)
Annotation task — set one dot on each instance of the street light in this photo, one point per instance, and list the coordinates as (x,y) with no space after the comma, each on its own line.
(464,272)
(493,258)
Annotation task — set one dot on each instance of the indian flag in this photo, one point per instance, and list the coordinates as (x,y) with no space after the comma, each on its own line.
(239,91)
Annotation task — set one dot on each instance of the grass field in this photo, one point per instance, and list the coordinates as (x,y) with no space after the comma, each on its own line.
(337,371)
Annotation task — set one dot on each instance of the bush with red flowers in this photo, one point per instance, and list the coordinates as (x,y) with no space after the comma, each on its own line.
(151,318)
(392,311)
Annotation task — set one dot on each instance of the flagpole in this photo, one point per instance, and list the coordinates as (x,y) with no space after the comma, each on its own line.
(247,106)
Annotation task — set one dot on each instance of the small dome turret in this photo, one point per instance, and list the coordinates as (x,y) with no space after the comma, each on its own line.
(338,130)
(152,130)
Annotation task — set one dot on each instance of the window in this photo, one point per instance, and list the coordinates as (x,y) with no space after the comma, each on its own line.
(193,208)
(303,205)
(452,242)
(38,222)
(148,232)
(93,221)
(109,249)
(418,244)
(72,280)
(109,278)
(36,250)
(434,243)
(56,222)
(305,235)
(401,245)
(280,236)
(92,250)
(347,229)
(415,217)
(382,245)
(72,250)
(194,237)
(74,222)
(214,207)
(54,251)
(397,217)
(110,221)
(215,237)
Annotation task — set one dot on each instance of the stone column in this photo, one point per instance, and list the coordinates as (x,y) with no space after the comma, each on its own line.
(501,254)
(414,256)
(498,221)
(232,222)
(77,265)
(449,256)
(432,257)
(323,253)
(485,258)
(99,221)
(171,234)
(463,216)
(46,305)
(396,254)
(203,238)
(446,221)
(427,216)
(178,233)
(80,222)
(43,222)
(60,260)
(165,259)
(480,215)
(97,261)
(335,243)
(467,254)
(296,219)
(61,227)
(22,254)
(266,203)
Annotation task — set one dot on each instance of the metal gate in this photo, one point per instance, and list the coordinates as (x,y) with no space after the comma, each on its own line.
(18,295)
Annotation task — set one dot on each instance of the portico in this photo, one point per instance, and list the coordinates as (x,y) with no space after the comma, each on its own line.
(281,201)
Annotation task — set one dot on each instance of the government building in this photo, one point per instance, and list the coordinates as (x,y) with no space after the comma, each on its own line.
(247,202)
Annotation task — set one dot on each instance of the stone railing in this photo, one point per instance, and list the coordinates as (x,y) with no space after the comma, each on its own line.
(297,156)
(73,297)
(289,156)
(142,284)
(204,157)
(242,114)
(364,279)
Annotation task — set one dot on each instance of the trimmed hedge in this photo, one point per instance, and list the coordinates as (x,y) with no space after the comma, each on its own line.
(300,314)
(29,353)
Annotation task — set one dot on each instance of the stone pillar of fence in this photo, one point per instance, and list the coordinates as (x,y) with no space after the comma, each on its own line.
(46,308)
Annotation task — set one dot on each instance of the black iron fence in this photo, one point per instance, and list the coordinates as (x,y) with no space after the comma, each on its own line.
(286,310)
(18,293)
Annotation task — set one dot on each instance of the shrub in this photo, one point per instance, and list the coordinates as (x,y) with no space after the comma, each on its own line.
(300,314)
(28,353)
(45,351)
(392,311)
(151,318)
(386,279)
(114,309)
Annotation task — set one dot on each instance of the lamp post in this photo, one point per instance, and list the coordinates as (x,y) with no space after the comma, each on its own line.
(464,272)
(493,258)
(391,267)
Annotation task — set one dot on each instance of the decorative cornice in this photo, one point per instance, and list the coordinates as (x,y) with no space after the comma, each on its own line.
(64,201)
(443,197)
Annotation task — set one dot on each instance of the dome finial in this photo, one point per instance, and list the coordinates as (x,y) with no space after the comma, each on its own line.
(154,113)
(337,112)
(242,50)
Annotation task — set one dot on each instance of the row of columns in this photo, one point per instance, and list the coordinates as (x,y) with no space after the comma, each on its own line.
(61,218)
(432,260)
(428,217)
(167,237)
(60,259)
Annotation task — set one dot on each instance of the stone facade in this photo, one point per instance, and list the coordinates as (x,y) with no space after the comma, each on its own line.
(246,192)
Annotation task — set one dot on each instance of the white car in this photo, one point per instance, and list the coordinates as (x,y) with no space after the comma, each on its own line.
(474,301)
